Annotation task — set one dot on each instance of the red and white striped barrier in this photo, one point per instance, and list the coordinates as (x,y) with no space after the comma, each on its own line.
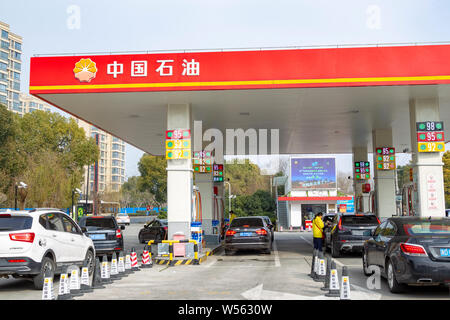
(134,260)
(146,261)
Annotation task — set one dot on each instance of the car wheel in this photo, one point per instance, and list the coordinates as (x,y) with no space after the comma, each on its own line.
(89,261)
(366,270)
(335,253)
(394,286)
(141,240)
(46,264)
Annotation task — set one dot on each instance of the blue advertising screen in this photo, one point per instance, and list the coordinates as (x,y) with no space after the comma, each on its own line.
(313,173)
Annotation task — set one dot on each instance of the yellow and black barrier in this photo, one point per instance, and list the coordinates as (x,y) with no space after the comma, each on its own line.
(171,261)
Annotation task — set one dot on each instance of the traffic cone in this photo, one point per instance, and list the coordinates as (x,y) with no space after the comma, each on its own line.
(64,290)
(146,258)
(97,278)
(334,282)
(85,280)
(105,271)
(121,265)
(134,260)
(320,268)
(47,289)
(75,283)
(128,269)
(281,228)
(326,286)
(313,262)
(345,284)
(114,268)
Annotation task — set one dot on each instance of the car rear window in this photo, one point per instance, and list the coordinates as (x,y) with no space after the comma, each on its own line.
(250,222)
(441,227)
(93,224)
(354,220)
(13,223)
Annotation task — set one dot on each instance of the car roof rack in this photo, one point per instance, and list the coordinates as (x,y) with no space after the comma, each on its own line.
(44,209)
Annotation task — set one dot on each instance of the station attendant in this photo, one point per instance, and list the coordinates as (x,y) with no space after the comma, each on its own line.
(318,231)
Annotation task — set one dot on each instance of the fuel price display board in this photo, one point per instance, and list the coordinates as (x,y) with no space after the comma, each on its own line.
(385,157)
(362,170)
(202,161)
(178,144)
(430,136)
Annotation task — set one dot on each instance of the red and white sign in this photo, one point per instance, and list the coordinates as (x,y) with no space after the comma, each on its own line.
(431,192)
(294,68)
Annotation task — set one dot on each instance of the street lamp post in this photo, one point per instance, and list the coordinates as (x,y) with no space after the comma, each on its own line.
(229,198)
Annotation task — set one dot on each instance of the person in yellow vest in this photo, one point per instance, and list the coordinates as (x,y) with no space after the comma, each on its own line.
(318,231)
(232,216)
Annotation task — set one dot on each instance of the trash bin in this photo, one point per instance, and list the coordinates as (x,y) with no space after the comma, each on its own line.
(179,249)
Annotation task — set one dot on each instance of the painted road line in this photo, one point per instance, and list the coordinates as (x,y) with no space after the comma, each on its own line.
(277,256)
(308,242)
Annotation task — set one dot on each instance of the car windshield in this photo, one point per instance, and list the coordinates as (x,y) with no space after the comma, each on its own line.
(163,222)
(247,222)
(122,214)
(93,224)
(13,223)
(354,220)
(439,227)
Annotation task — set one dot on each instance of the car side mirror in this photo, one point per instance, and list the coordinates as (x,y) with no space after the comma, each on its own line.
(83,229)
(122,227)
(270,226)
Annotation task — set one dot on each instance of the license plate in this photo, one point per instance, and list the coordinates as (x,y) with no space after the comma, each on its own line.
(97,236)
(445,252)
(359,232)
(245,234)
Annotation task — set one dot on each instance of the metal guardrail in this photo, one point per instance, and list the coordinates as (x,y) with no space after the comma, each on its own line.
(247,49)
(196,259)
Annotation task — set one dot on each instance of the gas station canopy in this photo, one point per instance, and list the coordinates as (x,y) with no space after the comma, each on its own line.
(321,100)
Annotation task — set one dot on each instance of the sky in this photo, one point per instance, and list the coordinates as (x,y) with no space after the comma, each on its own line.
(86,26)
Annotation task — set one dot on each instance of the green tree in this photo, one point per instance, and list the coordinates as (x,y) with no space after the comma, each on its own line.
(132,196)
(153,177)
(246,178)
(48,152)
(446,160)
(261,203)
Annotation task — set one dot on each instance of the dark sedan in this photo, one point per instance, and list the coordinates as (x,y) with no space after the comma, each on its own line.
(410,251)
(248,233)
(153,230)
(104,232)
(349,231)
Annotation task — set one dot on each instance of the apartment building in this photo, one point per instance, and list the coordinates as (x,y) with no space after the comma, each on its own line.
(10,68)
(111,164)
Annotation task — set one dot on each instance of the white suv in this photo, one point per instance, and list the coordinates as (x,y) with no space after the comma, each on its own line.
(32,242)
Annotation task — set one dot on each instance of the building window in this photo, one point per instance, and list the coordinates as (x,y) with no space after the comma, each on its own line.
(18,46)
(2,87)
(17,66)
(16,86)
(5,45)
(16,76)
(115,179)
(117,147)
(17,56)
(5,34)
(3,66)
(4,55)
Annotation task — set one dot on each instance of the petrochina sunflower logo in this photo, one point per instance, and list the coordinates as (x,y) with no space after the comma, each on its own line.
(85,70)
